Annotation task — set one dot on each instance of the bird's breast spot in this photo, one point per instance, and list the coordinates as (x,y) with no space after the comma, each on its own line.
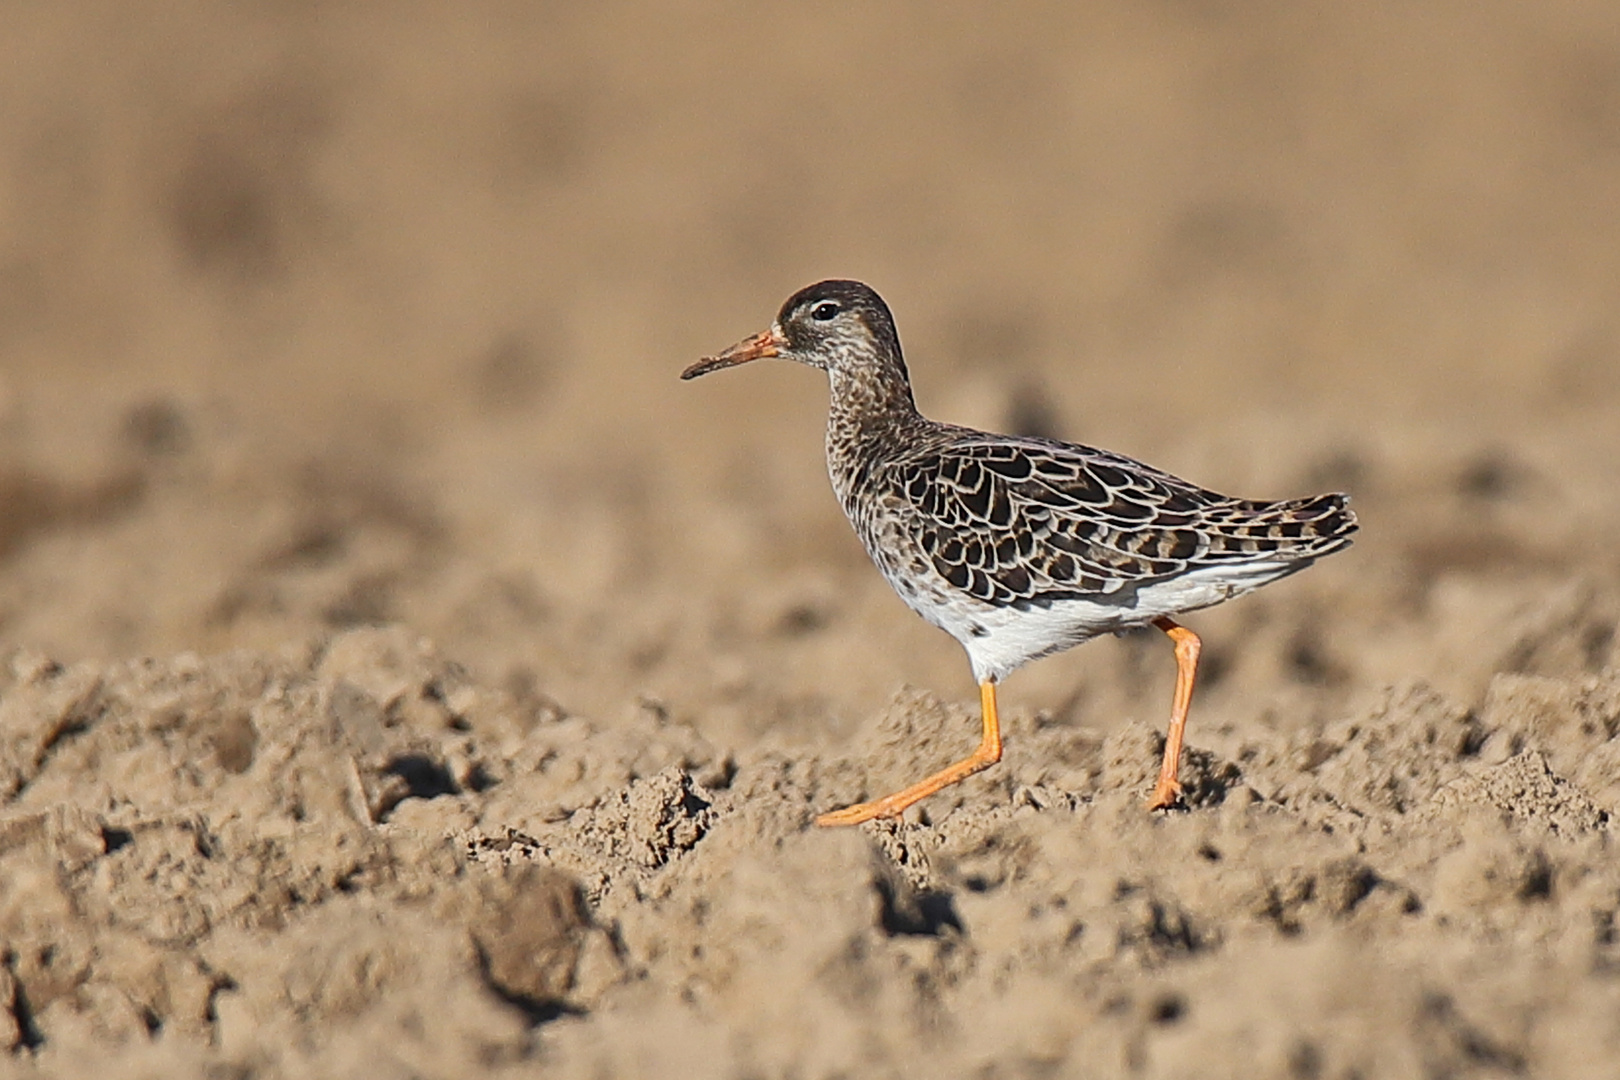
(978,631)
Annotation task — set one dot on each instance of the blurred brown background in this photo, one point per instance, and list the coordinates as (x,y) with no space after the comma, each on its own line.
(317,315)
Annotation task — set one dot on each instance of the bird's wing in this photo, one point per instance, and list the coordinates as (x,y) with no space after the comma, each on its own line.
(1014,520)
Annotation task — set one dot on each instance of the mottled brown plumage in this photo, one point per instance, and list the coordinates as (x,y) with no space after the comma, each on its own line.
(1021,547)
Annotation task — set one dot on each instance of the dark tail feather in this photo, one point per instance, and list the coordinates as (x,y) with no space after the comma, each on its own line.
(1294,530)
(1319,525)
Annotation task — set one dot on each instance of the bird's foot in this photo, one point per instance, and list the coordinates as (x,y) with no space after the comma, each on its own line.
(1166,795)
(866,811)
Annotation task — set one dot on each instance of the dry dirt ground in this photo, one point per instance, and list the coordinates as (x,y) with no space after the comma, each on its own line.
(405,675)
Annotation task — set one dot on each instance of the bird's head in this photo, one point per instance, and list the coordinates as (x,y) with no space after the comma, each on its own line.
(838,326)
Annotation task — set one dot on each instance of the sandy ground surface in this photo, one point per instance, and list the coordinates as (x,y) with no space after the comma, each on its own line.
(405,675)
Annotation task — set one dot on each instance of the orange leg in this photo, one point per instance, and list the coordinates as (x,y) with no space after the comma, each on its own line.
(1167,792)
(988,753)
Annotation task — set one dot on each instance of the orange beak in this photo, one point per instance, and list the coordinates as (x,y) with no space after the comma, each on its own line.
(764,344)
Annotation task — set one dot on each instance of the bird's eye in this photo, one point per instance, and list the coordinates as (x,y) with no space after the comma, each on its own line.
(825,311)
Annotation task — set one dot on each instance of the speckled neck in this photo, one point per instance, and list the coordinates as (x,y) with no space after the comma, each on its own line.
(872,414)
(876,391)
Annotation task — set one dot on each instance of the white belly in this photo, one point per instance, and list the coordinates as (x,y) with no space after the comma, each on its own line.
(999,640)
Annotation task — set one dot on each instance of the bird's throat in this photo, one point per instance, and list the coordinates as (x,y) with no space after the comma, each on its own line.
(872,396)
